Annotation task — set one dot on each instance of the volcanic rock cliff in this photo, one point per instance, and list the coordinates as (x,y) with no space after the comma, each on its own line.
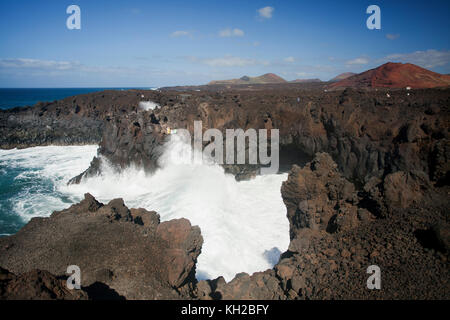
(71,121)
(121,252)
(368,184)
(366,133)
(335,236)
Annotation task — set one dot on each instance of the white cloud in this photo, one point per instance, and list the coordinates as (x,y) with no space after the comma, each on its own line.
(266,12)
(428,59)
(303,74)
(360,60)
(391,36)
(51,67)
(38,64)
(289,59)
(180,33)
(231,32)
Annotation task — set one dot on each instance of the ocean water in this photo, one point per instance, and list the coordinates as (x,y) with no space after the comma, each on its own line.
(33,182)
(10,98)
(243,224)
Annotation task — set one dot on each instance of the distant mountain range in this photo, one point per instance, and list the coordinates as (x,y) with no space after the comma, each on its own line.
(395,75)
(388,75)
(268,78)
(264,79)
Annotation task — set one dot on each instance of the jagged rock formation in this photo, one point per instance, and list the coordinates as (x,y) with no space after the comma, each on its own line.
(370,186)
(366,133)
(127,250)
(71,121)
(317,197)
(335,238)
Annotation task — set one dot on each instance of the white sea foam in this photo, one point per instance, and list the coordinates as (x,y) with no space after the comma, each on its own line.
(41,173)
(241,222)
(148,105)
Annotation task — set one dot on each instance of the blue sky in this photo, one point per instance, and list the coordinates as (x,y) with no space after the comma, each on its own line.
(157,43)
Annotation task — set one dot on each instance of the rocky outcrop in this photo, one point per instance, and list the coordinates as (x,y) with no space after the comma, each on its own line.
(370,186)
(259,286)
(319,198)
(128,253)
(133,140)
(36,285)
(127,250)
(401,189)
(335,238)
(366,132)
(72,121)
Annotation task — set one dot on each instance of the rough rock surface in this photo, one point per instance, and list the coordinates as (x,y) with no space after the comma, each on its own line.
(410,244)
(366,133)
(370,186)
(71,121)
(319,198)
(36,285)
(127,250)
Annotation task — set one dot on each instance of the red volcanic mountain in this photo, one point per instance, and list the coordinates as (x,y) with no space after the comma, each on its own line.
(395,75)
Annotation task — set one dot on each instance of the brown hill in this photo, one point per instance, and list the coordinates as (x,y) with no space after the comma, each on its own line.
(395,75)
(342,76)
(266,78)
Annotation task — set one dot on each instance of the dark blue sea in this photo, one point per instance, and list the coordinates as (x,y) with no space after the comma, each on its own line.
(10,98)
